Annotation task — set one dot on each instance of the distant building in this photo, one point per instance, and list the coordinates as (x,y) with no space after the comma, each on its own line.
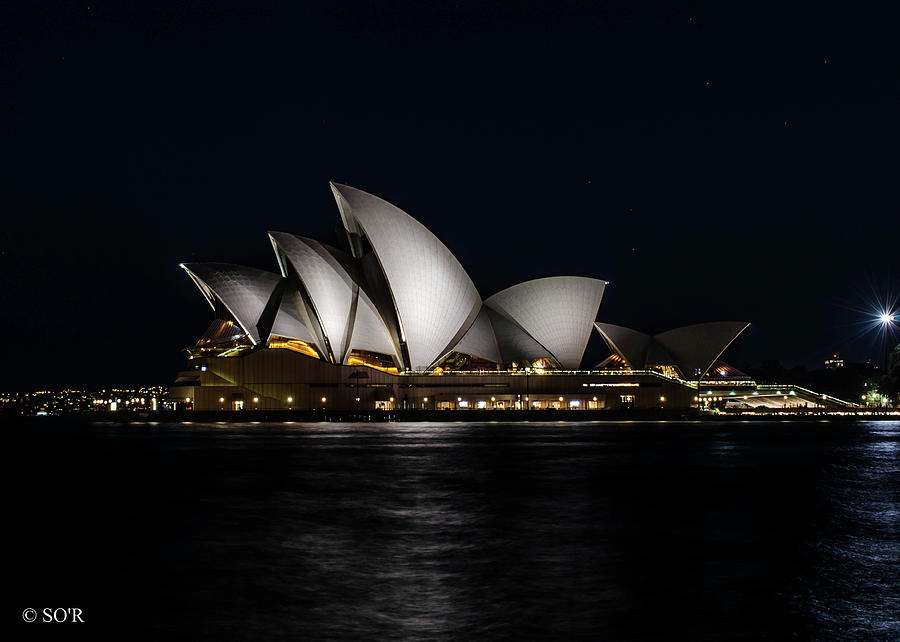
(834,363)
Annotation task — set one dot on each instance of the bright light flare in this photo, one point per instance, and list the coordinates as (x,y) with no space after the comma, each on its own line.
(886,318)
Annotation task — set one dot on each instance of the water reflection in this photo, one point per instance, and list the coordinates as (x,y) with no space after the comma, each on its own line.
(855,585)
(624,531)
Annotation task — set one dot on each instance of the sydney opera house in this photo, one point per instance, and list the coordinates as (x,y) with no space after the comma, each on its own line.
(390,319)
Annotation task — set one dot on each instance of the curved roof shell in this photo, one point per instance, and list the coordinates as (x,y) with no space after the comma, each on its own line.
(480,340)
(244,291)
(404,294)
(369,331)
(515,344)
(629,344)
(695,348)
(331,291)
(558,312)
(292,321)
(692,349)
(434,298)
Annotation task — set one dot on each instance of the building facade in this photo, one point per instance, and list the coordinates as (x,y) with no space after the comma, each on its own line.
(389,319)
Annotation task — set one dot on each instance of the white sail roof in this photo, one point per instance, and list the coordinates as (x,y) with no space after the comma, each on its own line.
(369,331)
(557,311)
(695,348)
(515,344)
(330,289)
(434,298)
(404,294)
(692,349)
(292,321)
(244,291)
(629,344)
(480,340)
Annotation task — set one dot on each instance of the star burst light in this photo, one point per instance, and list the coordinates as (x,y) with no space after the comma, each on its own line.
(876,318)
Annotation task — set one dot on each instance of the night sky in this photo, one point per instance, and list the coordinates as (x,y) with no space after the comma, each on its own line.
(711,163)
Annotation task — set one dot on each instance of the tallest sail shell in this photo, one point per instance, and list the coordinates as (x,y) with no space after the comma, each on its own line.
(434,298)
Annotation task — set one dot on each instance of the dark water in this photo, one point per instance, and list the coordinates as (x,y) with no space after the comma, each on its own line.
(460,531)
